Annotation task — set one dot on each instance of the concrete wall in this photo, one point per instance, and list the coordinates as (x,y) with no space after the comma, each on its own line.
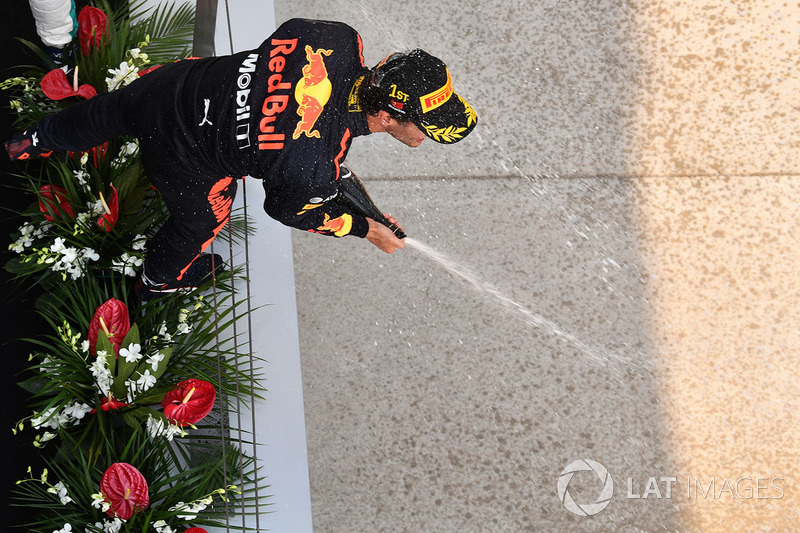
(625,215)
(275,421)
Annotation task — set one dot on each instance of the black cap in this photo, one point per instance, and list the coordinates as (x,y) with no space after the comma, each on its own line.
(419,87)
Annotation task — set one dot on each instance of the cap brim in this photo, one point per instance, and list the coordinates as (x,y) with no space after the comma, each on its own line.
(450,122)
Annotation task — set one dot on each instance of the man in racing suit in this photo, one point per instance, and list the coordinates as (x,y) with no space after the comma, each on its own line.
(285,112)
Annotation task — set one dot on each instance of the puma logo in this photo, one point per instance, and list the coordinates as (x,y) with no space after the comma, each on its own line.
(205,120)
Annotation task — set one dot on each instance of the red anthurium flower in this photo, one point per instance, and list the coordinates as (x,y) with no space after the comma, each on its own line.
(92,24)
(99,154)
(195,530)
(112,317)
(109,220)
(54,198)
(56,86)
(109,403)
(125,488)
(189,402)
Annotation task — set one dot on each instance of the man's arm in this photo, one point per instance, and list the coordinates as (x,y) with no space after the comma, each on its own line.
(292,208)
(297,208)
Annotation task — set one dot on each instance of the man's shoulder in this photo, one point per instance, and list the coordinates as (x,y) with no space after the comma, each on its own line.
(315,28)
(323,35)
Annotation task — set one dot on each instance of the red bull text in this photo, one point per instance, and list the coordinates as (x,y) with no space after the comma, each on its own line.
(275,104)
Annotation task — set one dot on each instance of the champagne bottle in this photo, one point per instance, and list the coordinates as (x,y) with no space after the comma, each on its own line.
(353,194)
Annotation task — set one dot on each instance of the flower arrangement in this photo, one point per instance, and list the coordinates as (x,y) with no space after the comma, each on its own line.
(118,389)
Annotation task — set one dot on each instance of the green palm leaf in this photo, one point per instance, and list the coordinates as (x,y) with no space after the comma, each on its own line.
(170,27)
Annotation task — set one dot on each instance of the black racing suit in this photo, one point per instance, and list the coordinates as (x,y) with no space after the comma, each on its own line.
(283,112)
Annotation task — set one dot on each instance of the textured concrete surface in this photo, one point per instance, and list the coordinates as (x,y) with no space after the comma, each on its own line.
(625,216)
(573,88)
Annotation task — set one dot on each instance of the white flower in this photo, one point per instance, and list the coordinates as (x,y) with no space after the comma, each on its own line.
(66,529)
(122,76)
(130,387)
(139,242)
(99,502)
(154,359)
(102,376)
(60,490)
(163,333)
(132,353)
(71,414)
(27,229)
(190,510)
(183,325)
(187,508)
(70,255)
(85,346)
(18,246)
(84,158)
(44,437)
(162,527)
(154,427)
(90,254)
(72,261)
(81,176)
(69,262)
(25,240)
(46,419)
(97,208)
(129,148)
(84,219)
(58,245)
(126,151)
(112,526)
(127,264)
(158,427)
(77,410)
(146,380)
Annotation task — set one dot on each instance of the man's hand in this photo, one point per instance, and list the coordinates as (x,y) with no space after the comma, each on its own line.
(383,237)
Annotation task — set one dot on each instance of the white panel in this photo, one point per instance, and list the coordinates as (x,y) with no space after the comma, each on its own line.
(279,418)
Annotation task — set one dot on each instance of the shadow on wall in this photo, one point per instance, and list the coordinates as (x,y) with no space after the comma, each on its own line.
(715,125)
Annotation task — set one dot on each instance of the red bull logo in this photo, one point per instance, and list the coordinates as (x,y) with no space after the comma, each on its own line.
(339,226)
(308,207)
(312,92)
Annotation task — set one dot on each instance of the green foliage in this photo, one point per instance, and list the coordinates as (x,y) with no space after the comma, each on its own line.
(93,406)
(180,476)
(170,27)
